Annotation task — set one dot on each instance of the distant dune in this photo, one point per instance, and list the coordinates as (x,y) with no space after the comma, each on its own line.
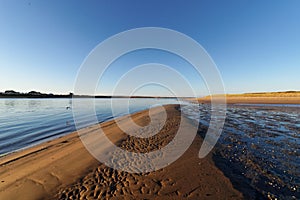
(286,97)
(268,94)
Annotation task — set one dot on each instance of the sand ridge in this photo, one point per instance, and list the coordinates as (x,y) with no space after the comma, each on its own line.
(63,169)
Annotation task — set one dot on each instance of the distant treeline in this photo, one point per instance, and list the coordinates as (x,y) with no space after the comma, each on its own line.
(34,94)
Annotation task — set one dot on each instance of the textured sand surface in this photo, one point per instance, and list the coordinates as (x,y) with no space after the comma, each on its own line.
(292,97)
(64,169)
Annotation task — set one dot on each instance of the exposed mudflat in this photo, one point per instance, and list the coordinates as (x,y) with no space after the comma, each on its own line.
(259,148)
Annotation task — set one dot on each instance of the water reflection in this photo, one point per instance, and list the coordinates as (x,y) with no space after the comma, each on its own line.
(9,104)
(25,122)
(33,104)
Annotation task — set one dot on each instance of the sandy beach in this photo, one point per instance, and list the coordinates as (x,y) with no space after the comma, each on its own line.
(64,169)
(258,98)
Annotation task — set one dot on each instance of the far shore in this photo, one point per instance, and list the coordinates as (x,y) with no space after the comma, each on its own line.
(64,169)
(21,96)
(286,97)
(289,97)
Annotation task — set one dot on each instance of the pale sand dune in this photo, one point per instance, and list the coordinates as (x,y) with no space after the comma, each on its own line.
(292,97)
(63,169)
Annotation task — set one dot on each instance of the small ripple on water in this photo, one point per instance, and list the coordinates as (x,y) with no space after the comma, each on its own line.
(27,122)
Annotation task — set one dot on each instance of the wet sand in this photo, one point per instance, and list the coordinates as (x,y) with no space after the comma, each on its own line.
(258,148)
(63,169)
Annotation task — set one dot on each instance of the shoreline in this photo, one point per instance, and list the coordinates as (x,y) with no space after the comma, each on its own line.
(62,168)
(254,100)
(287,97)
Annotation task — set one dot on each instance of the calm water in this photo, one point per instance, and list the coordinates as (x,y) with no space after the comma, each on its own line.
(261,145)
(26,122)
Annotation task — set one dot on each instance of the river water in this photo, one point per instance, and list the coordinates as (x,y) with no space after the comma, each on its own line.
(27,122)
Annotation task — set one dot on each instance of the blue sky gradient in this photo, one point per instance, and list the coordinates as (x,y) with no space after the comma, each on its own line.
(255,44)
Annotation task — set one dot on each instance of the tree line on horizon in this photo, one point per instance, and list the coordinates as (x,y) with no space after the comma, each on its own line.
(35,94)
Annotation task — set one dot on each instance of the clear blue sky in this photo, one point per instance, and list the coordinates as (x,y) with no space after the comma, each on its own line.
(255,44)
